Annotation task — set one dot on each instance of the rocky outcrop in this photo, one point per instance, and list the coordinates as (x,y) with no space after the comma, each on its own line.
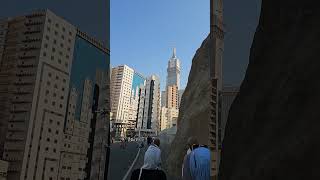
(194,111)
(273,126)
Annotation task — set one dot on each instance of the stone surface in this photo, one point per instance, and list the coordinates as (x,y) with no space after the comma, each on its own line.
(273,126)
(194,112)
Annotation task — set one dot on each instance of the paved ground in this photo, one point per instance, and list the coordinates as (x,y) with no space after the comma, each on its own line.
(121,159)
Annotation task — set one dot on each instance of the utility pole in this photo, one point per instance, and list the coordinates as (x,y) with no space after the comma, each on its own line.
(215,63)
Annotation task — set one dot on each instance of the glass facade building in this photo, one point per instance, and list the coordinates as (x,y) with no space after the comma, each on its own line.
(87,61)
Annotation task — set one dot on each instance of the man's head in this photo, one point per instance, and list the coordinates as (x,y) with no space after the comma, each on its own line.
(156,141)
(192,141)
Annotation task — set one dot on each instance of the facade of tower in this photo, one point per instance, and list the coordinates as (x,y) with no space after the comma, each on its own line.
(52,76)
(121,91)
(149,109)
(173,71)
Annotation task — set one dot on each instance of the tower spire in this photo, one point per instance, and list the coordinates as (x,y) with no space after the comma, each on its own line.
(174,53)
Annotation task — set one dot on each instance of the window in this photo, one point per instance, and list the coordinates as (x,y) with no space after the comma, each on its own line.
(52,58)
(47,92)
(63,29)
(54,41)
(47,149)
(46,45)
(49,130)
(55,33)
(66,64)
(44,54)
(54,94)
(47,37)
(48,83)
(49,20)
(61,45)
(46,101)
(50,121)
(53,49)
(48,28)
(70,33)
(57,77)
(48,139)
(57,25)
(62,36)
(59,61)
(54,150)
(53,103)
(52,169)
(57,132)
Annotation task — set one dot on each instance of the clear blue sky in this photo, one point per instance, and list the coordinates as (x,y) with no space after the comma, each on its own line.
(143,33)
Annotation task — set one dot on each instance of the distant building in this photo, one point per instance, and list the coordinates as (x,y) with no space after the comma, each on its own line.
(50,81)
(137,86)
(121,91)
(163,118)
(181,91)
(149,109)
(173,71)
(172,97)
(3,170)
(126,87)
(163,98)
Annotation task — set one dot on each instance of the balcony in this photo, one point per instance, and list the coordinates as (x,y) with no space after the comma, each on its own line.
(23,83)
(13,146)
(33,24)
(27,57)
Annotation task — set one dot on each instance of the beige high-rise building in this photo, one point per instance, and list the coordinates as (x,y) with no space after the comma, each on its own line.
(164,118)
(121,91)
(47,94)
(172,97)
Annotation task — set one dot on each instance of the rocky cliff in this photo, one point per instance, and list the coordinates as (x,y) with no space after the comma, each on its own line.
(194,111)
(273,126)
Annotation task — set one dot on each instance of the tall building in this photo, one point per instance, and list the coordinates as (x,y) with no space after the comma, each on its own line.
(137,85)
(181,91)
(49,76)
(121,91)
(149,109)
(172,97)
(163,118)
(173,70)
(163,98)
